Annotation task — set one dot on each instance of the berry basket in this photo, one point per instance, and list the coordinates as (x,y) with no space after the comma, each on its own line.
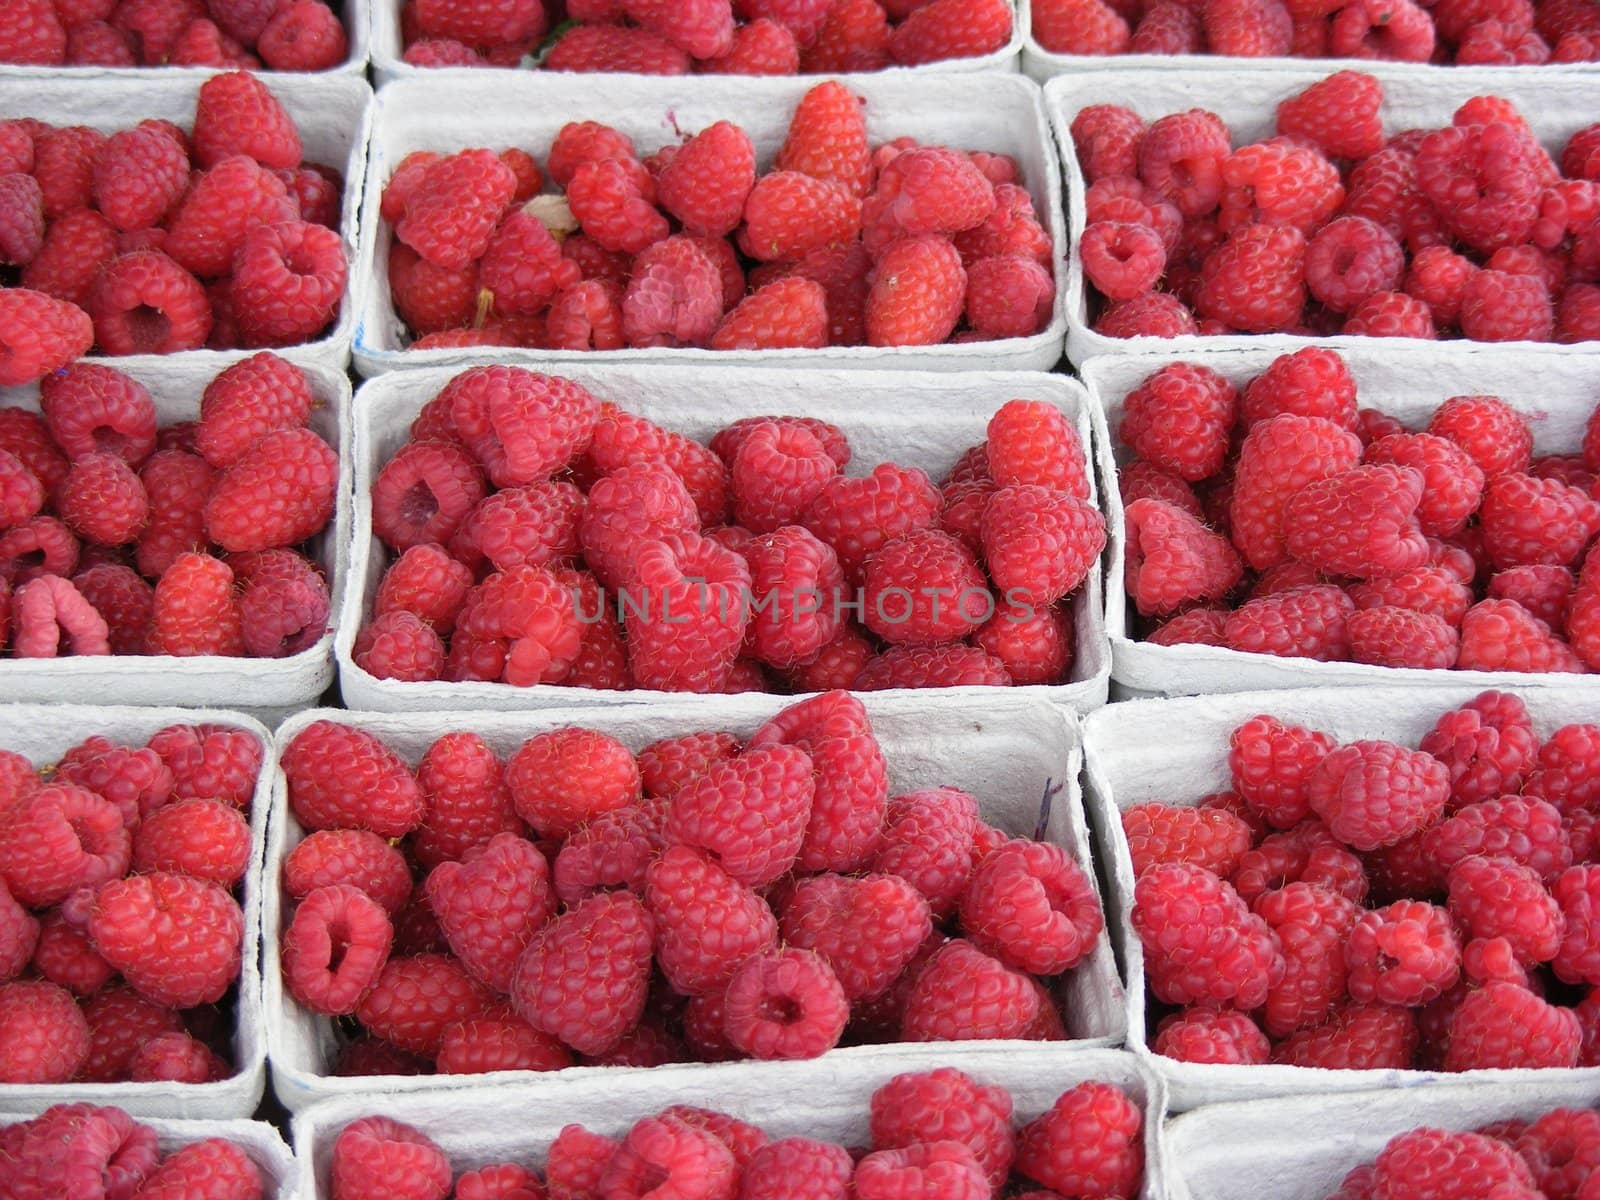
(919,420)
(262,1143)
(268,689)
(353,14)
(1019,750)
(1176,752)
(816,1100)
(42,734)
(332,113)
(1301,1148)
(389,65)
(465,110)
(1554,391)
(1555,103)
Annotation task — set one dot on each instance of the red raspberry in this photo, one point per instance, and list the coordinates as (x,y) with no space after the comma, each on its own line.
(962,994)
(42,334)
(706,183)
(335,946)
(1438,277)
(707,923)
(707,813)
(34,36)
(668,1148)
(1502,1025)
(707,585)
(1488,745)
(236,114)
(827,138)
(1033,646)
(1361,522)
(1391,314)
(490,903)
(857,516)
(1208,1035)
(1350,260)
(139,175)
(1280,459)
(49,1039)
(776,472)
(416,999)
(102,500)
(1178,418)
(65,957)
(785,314)
(1484,181)
(672,763)
(349,856)
(222,206)
(613,200)
(1309,383)
(795,1168)
(1388,636)
(1562,1148)
(627,509)
(425,581)
(59,839)
(1107,139)
(1501,635)
(303,36)
(262,394)
(144,303)
(378,1156)
(75,247)
(175,939)
(1008,296)
(1363,29)
(522,426)
(424,492)
(1272,764)
(1032,442)
(340,776)
(1578,960)
(1248,28)
(930,189)
(466,797)
(1206,837)
(1081,27)
(1339,114)
(1181,157)
(1041,887)
(1543,590)
(793,579)
(1090,1141)
(788,214)
(1526,831)
(1183,914)
(928,841)
(784,1004)
(917,293)
(1374,794)
(1153,315)
(926,587)
(1500,307)
(945,29)
(1498,898)
(1311,924)
(561,779)
(428,298)
(943,1168)
(212,1167)
(1254,282)
(866,929)
(19,935)
(1172,559)
(946,1105)
(951,665)
(288,280)
(453,209)
(674,297)
(1406,954)
(1430,590)
(278,493)
(1568,769)
(854,37)
(1432,1162)
(120,1021)
(1039,545)
(576,1161)
(486,1044)
(762,47)
(1536,521)
(1453,484)
(611,851)
(1277,182)
(204,839)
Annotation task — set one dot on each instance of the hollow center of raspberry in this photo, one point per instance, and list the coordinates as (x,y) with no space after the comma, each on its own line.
(781,1010)
(419,505)
(147,328)
(108,441)
(299,260)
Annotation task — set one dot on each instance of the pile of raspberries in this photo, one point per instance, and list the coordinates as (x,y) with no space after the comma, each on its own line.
(1473,230)
(1282,519)
(85,1150)
(548,537)
(120,925)
(1469,32)
(1554,1156)
(1363,905)
(152,240)
(836,244)
(939,1133)
(706,899)
(117,537)
(245,35)
(709,37)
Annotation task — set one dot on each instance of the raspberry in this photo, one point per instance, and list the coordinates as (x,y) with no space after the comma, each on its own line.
(1561,1148)
(946,1105)
(1351,259)
(521,426)
(1484,181)
(378,1156)
(1578,960)
(1108,140)
(1453,483)
(1498,898)
(1308,383)
(1181,157)
(453,209)
(1568,769)
(962,994)
(794,1168)
(1405,954)
(951,665)
(220,208)
(260,395)
(287,282)
(19,934)
(929,189)
(34,36)
(42,335)
(466,798)
(415,999)
(341,777)
(1206,837)
(1361,522)
(928,841)
(335,946)
(1502,1025)
(1311,925)
(1501,635)
(1374,794)
(1089,1142)
(303,36)
(674,297)
(839,917)
(139,174)
(175,939)
(672,763)
(212,1167)
(1178,418)
(630,507)
(236,114)
(1488,745)
(1530,521)
(827,138)
(613,200)
(1391,314)
(348,856)
(562,779)
(1543,590)
(1526,831)
(784,1004)
(1042,888)
(195,611)
(75,247)
(857,516)
(706,585)
(278,493)
(490,903)
(1248,962)
(1153,315)
(144,303)
(943,1168)
(1494,435)
(1008,296)
(611,851)
(707,923)
(424,492)
(708,812)
(1501,307)
(788,214)
(1387,636)
(1039,545)
(1207,1035)
(905,580)
(789,313)
(204,839)
(917,293)
(776,472)
(1276,182)
(59,839)
(1173,559)
(1081,27)
(706,183)
(50,1038)
(671,1150)
(1363,29)
(854,37)
(1438,277)
(576,1161)
(1254,282)
(1272,765)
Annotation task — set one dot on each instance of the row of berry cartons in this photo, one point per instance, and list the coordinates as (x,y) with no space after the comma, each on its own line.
(885,222)
(500,538)
(526,902)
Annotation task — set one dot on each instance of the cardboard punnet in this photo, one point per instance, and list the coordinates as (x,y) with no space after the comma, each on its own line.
(353,13)
(1176,752)
(1008,756)
(1556,104)
(824,1098)
(389,65)
(918,420)
(331,111)
(1555,392)
(467,109)
(42,734)
(267,688)
(261,1141)
(1302,1148)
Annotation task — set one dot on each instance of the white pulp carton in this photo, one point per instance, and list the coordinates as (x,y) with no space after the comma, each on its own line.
(389,65)
(921,420)
(352,13)
(267,688)
(465,109)
(1176,752)
(1556,104)
(1302,1148)
(1555,392)
(820,1099)
(332,112)
(42,734)
(1009,756)
(260,1141)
